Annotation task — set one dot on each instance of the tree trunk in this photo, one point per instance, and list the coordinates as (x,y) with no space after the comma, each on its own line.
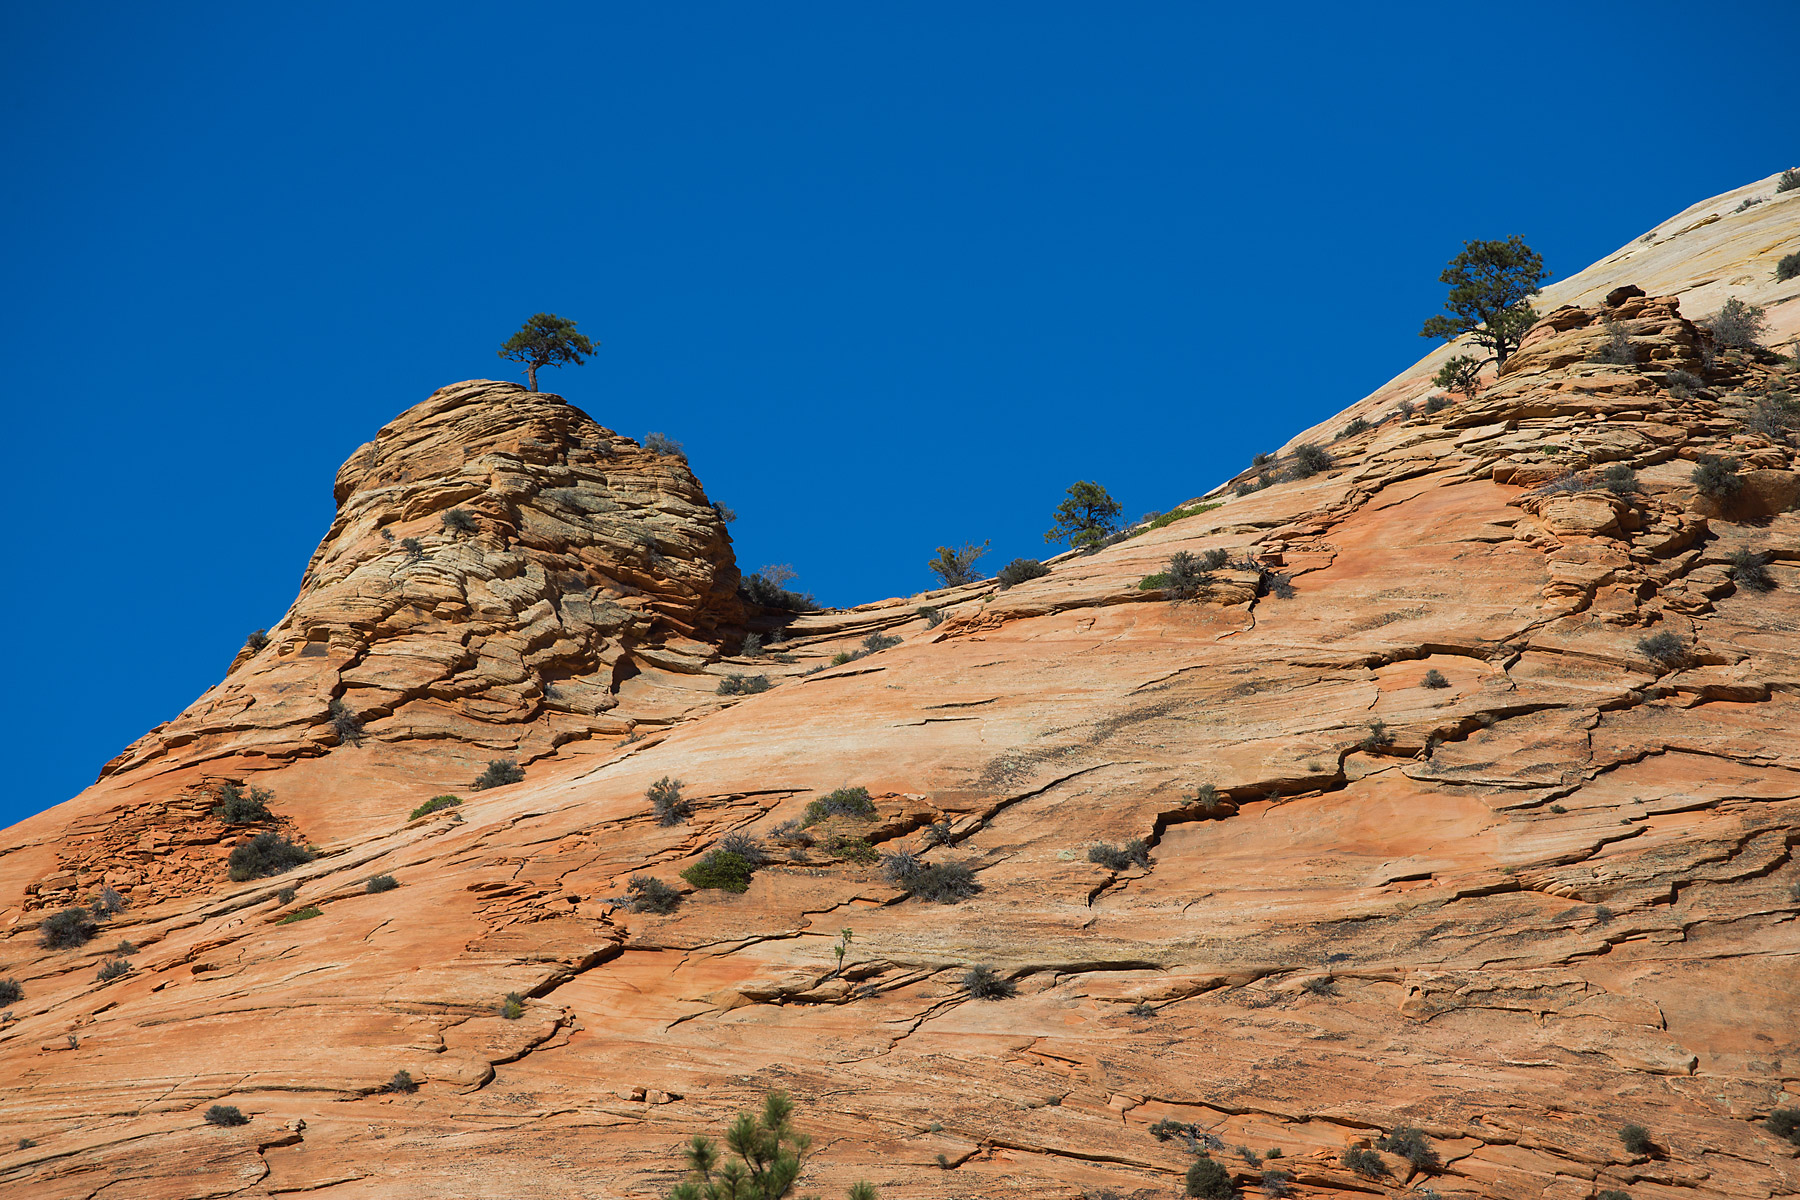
(531,374)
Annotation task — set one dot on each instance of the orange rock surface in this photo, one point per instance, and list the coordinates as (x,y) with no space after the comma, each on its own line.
(1484,854)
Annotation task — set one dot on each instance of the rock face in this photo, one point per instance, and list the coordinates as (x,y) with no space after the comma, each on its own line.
(1467,793)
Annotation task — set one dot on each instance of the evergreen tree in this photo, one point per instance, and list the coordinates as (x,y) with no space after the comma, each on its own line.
(1490,283)
(546,341)
(1086,517)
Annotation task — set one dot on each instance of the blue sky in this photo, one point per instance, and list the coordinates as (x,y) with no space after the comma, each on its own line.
(895,275)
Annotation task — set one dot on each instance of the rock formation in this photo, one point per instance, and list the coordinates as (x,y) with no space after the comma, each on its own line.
(1461,799)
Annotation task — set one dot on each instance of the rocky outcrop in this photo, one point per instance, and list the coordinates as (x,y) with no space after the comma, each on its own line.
(1438,830)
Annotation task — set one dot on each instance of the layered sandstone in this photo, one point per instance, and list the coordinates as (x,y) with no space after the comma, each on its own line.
(1553,896)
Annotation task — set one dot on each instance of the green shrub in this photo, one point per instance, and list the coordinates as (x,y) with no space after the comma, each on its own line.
(305,914)
(402,1084)
(769,1152)
(1617,349)
(513,1007)
(435,804)
(457,520)
(113,969)
(743,685)
(415,549)
(1717,478)
(1019,570)
(1435,405)
(722,871)
(499,773)
(381,883)
(955,566)
(1459,374)
(10,992)
(1666,650)
(875,643)
(1136,852)
(285,895)
(1378,738)
(1185,576)
(752,646)
(1366,1163)
(266,854)
(933,617)
(1751,570)
(1788,180)
(346,724)
(1176,514)
(1788,267)
(1783,1123)
(657,443)
(982,983)
(1619,479)
(1309,460)
(665,800)
(1434,678)
(760,588)
(1737,326)
(1277,1183)
(65,930)
(857,850)
(651,895)
(1356,426)
(236,807)
(1410,1143)
(225,1114)
(943,883)
(259,638)
(1209,1180)
(845,802)
(1635,1139)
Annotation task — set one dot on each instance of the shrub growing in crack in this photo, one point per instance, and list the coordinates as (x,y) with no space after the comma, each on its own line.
(1409,1142)
(499,773)
(458,520)
(1620,479)
(1434,678)
(10,992)
(769,1151)
(938,833)
(435,804)
(900,867)
(1019,570)
(666,802)
(1276,584)
(65,930)
(845,802)
(1209,1180)
(1378,738)
(982,983)
(738,684)
(113,970)
(1617,350)
(745,847)
(1309,460)
(225,1115)
(1365,1162)
(1636,1139)
(1717,478)
(1750,570)
(402,1084)
(720,870)
(933,617)
(304,914)
(649,894)
(237,807)
(855,849)
(1783,1123)
(381,883)
(875,643)
(346,724)
(1322,985)
(1737,325)
(107,903)
(944,883)
(1136,852)
(1143,1010)
(1277,1183)
(1666,650)
(513,1007)
(266,854)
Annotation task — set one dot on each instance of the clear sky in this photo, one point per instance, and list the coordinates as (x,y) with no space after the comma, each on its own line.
(895,274)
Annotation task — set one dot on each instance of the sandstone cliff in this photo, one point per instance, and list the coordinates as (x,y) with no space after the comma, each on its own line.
(1439,831)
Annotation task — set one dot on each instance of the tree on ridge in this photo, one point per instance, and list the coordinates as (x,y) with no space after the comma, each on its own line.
(546,340)
(1086,517)
(1490,286)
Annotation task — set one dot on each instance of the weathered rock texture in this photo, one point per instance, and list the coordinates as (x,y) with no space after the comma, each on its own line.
(1553,896)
